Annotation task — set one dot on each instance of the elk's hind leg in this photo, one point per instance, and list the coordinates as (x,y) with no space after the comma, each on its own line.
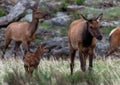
(114,43)
(7,42)
(72,56)
(17,44)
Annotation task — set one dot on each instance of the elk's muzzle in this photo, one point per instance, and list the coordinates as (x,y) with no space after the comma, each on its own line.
(99,37)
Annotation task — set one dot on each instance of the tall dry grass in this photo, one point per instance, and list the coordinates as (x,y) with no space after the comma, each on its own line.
(54,72)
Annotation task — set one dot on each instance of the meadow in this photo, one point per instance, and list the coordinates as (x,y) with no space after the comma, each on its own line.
(53,72)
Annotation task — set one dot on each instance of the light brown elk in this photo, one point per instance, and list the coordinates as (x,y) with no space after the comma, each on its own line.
(114,40)
(31,60)
(82,36)
(22,32)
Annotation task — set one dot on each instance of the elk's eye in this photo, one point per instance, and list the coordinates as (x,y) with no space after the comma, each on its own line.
(91,27)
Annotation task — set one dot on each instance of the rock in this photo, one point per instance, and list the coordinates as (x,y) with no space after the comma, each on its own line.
(16,12)
(46,33)
(7,5)
(101,46)
(52,6)
(61,19)
(110,23)
(61,51)
(28,17)
(57,45)
(75,8)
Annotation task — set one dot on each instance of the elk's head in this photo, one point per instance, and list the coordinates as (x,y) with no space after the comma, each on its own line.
(37,14)
(94,26)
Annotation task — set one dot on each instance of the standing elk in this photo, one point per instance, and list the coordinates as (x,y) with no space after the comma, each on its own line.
(22,32)
(82,36)
(114,40)
(31,60)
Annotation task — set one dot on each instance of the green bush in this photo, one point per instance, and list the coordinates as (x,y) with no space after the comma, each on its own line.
(64,6)
(107,30)
(79,2)
(2,13)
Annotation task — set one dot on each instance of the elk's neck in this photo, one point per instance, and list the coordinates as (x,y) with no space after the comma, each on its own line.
(87,37)
(33,26)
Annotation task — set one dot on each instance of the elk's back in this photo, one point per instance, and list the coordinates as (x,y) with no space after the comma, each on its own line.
(115,35)
(17,30)
(75,33)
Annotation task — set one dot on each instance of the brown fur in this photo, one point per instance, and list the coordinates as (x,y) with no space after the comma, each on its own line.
(82,36)
(114,40)
(31,60)
(22,32)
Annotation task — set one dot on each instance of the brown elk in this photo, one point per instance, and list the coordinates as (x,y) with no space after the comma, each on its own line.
(82,36)
(31,60)
(23,32)
(114,40)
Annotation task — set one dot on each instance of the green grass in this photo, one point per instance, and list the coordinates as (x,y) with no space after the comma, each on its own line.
(58,73)
(112,13)
(46,25)
(94,2)
(61,29)
(38,39)
(108,14)
(2,12)
(107,30)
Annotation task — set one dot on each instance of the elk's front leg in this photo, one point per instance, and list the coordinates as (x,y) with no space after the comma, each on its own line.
(82,60)
(91,55)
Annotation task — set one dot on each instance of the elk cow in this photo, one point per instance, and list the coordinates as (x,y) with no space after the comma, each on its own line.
(31,60)
(114,40)
(82,36)
(22,32)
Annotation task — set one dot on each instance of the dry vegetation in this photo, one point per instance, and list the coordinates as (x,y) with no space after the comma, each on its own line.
(54,72)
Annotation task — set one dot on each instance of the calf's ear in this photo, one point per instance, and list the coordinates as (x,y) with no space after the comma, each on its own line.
(43,46)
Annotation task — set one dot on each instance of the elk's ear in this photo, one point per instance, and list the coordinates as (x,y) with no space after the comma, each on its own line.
(42,46)
(99,17)
(84,17)
(34,8)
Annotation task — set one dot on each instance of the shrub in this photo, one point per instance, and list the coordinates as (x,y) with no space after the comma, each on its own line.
(64,6)
(79,2)
(2,13)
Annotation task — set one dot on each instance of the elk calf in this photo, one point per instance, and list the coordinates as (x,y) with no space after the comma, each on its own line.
(114,40)
(22,32)
(82,36)
(31,60)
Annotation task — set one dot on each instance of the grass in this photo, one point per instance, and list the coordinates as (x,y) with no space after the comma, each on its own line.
(38,39)
(108,14)
(62,29)
(54,72)
(112,13)
(2,12)
(107,30)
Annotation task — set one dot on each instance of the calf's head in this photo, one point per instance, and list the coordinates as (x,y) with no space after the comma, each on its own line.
(94,26)
(42,49)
